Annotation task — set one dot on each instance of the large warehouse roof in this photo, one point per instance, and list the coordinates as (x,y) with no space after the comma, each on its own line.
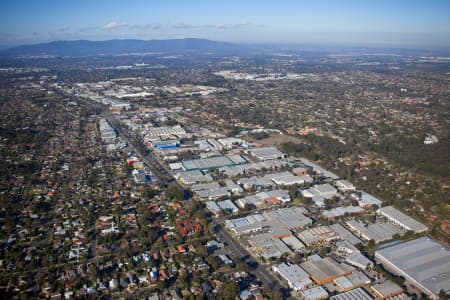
(211,162)
(423,261)
(403,220)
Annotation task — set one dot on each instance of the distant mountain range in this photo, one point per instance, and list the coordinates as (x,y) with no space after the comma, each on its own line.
(114,47)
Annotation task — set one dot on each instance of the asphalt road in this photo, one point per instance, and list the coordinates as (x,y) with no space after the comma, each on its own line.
(261,271)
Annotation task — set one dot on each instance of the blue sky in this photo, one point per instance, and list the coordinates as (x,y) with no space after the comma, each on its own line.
(424,24)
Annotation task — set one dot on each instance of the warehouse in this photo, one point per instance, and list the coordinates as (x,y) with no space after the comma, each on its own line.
(325,270)
(402,220)
(266,246)
(206,163)
(192,177)
(317,235)
(315,293)
(325,191)
(292,217)
(344,185)
(266,153)
(341,211)
(424,262)
(358,293)
(295,276)
(294,243)
(277,196)
(386,290)
(355,280)
(379,232)
(278,222)
(366,200)
(344,234)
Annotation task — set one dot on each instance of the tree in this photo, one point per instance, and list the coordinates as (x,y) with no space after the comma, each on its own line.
(175,192)
(230,290)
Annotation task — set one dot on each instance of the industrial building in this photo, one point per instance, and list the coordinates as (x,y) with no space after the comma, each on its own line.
(278,222)
(342,211)
(260,199)
(344,234)
(424,262)
(344,185)
(296,277)
(192,177)
(326,191)
(386,290)
(379,232)
(212,162)
(366,200)
(294,243)
(358,293)
(266,246)
(163,133)
(315,293)
(317,235)
(397,217)
(107,133)
(266,153)
(237,170)
(325,270)
(353,281)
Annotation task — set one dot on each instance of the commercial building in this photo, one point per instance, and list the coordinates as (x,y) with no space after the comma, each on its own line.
(366,200)
(238,170)
(296,277)
(344,185)
(260,199)
(358,260)
(218,207)
(266,153)
(355,280)
(344,234)
(266,246)
(315,293)
(292,217)
(325,270)
(317,235)
(299,171)
(294,243)
(402,220)
(326,191)
(287,178)
(386,290)
(358,293)
(163,133)
(276,222)
(424,262)
(214,193)
(379,232)
(193,177)
(342,211)
(212,162)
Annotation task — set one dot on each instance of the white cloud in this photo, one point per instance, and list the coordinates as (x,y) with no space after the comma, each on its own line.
(114,24)
(233,26)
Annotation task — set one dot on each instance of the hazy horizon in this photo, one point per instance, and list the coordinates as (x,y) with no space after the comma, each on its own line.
(406,24)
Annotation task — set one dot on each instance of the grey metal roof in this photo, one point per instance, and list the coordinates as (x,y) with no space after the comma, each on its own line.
(405,221)
(423,261)
(266,153)
(356,294)
(207,163)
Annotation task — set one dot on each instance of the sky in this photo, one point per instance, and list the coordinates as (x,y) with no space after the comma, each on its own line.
(398,23)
